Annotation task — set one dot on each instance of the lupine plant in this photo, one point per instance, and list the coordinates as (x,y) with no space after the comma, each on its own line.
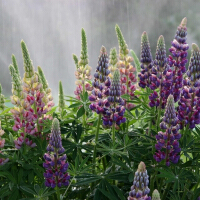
(132,116)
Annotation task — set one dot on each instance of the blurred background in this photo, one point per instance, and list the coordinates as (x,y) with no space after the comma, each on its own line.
(51,30)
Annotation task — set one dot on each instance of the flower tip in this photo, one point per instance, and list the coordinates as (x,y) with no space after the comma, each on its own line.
(103,49)
(141,167)
(195,47)
(184,22)
(155,195)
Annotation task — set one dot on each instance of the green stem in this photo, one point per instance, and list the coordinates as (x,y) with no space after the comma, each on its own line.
(113,133)
(95,145)
(150,124)
(58,192)
(67,188)
(166,191)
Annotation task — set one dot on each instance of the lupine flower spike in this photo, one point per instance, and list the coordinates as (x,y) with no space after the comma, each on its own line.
(101,84)
(113,60)
(168,140)
(83,70)
(116,109)
(30,107)
(47,91)
(14,63)
(127,71)
(177,60)
(55,164)
(61,103)
(139,189)
(155,195)
(189,104)
(161,76)
(146,62)
(2,99)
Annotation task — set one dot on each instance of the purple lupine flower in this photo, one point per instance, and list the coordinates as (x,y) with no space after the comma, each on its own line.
(55,164)
(168,140)
(101,84)
(189,109)
(146,62)
(177,60)
(161,76)
(115,112)
(139,189)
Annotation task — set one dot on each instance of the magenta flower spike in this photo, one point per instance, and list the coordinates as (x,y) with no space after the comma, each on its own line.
(55,164)
(139,189)
(168,140)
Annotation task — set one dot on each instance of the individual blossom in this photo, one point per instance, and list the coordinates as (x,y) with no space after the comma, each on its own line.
(2,99)
(178,59)
(55,163)
(101,84)
(139,189)
(83,70)
(161,76)
(127,71)
(155,195)
(146,62)
(189,109)
(114,114)
(167,142)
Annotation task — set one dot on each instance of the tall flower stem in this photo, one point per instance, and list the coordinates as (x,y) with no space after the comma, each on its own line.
(95,145)
(113,133)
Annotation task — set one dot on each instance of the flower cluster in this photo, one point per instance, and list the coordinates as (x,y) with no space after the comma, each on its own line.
(2,99)
(189,109)
(55,164)
(161,76)
(101,84)
(115,112)
(169,139)
(83,70)
(146,62)
(127,71)
(177,60)
(29,107)
(139,189)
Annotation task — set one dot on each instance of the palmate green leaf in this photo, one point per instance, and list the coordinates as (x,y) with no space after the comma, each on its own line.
(75,105)
(107,194)
(27,189)
(85,181)
(8,175)
(14,195)
(5,111)
(119,192)
(120,176)
(166,173)
(80,112)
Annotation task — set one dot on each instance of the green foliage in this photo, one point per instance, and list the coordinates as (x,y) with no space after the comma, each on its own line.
(136,61)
